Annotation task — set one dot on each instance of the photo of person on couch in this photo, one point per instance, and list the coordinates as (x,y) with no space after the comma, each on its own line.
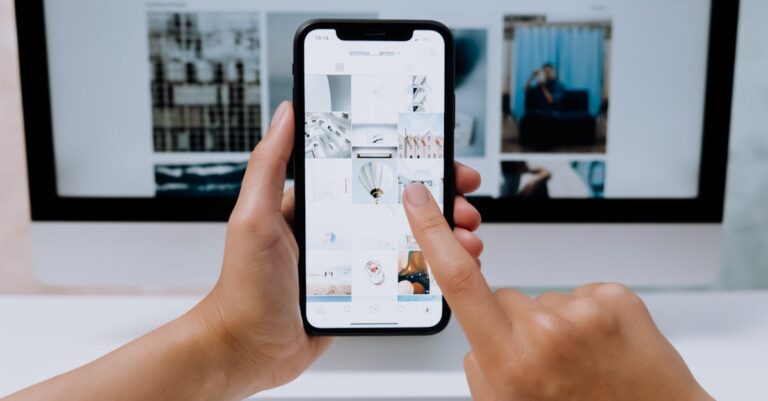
(544,89)
(556,85)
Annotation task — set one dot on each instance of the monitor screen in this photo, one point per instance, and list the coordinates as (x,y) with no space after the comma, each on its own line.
(570,100)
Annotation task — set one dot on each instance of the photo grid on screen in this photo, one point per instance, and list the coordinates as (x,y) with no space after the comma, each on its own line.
(367,137)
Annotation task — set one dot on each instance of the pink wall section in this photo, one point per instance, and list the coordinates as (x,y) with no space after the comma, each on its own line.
(15,251)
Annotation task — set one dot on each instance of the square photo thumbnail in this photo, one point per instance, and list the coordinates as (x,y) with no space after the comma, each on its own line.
(328,181)
(413,273)
(326,135)
(327,93)
(199,179)
(423,94)
(375,99)
(553,179)
(374,275)
(329,273)
(204,81)
(428,172)
(374,152)
(374,135)
(471,78)
(328,226)
(375,226)
(374,181)
(557,84)
(421,135)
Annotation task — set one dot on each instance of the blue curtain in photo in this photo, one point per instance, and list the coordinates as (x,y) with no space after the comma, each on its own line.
(576,52)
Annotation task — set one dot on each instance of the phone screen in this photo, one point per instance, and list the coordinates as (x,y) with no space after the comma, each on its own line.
(374,124)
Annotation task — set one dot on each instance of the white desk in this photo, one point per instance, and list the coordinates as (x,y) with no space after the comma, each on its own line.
(723,336)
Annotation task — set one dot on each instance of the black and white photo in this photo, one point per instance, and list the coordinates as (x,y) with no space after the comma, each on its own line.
(205,81)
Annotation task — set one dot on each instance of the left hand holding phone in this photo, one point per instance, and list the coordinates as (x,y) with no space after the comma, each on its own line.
(246,335)
(253,307)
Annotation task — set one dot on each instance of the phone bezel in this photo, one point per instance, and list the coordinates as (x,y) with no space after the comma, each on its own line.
(374,30)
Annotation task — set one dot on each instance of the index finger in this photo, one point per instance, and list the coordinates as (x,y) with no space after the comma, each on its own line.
(457,273)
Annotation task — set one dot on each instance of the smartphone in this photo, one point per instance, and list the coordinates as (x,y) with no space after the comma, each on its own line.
(374,106)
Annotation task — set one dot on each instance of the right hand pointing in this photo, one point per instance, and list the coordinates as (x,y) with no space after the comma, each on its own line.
(596,343)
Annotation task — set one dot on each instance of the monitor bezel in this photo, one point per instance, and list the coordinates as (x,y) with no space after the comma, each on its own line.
(707,207)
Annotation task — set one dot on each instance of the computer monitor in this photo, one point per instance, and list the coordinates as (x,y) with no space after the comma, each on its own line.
(600,128)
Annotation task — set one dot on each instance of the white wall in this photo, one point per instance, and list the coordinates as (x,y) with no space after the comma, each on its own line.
(746,209)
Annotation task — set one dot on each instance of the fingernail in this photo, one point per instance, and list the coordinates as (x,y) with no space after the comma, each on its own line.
(416,194)
(280,114)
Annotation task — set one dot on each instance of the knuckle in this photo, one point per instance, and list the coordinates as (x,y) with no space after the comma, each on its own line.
(589,317)
(585,290)
(549,296)
(507,296)
(554,335)
(587,310)
(615,294)
(549,324)
(554,343)
(504,294)
(510,300)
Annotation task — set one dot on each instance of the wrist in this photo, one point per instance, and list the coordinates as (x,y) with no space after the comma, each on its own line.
(227,368)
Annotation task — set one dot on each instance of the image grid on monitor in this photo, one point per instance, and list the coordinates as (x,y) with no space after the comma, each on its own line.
(576,101)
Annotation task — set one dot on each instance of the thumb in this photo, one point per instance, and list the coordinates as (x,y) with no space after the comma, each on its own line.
(264,180)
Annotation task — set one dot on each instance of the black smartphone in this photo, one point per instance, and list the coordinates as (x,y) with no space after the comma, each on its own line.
(374,105)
